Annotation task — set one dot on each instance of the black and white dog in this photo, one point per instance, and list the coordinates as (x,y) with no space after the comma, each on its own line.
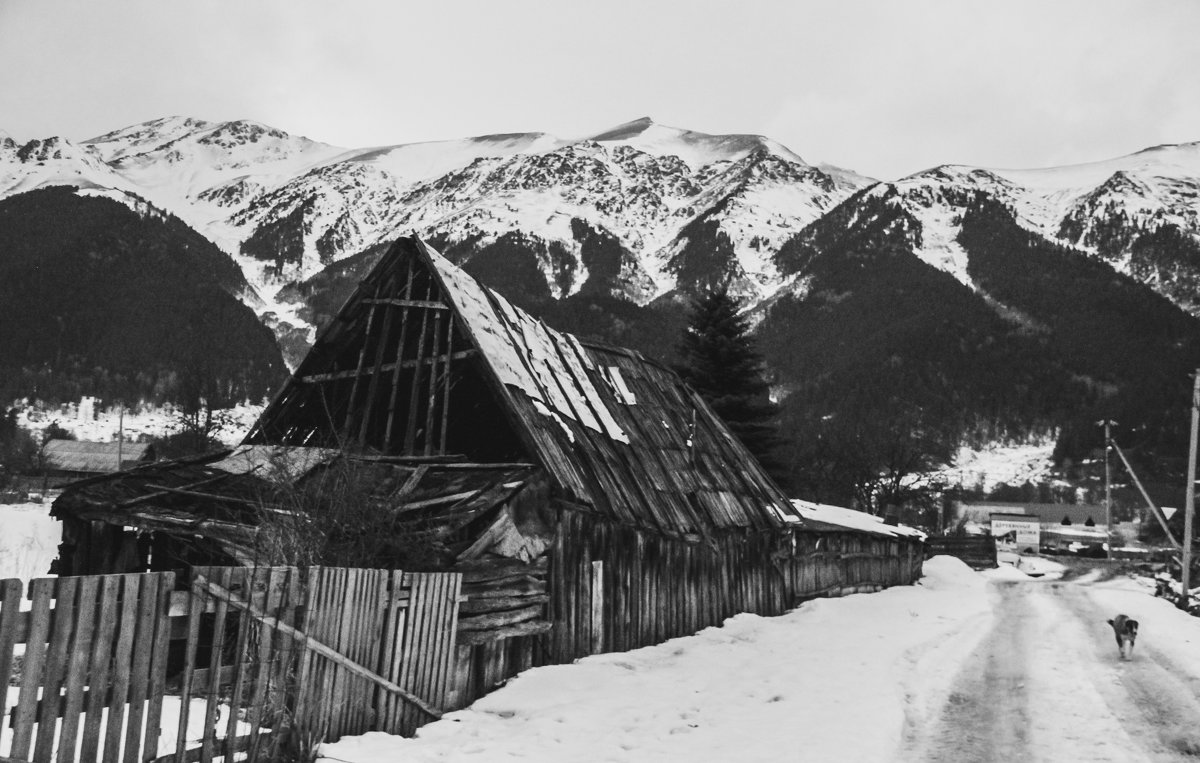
(1125,629)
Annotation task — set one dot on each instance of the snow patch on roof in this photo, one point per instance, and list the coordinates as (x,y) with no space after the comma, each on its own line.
(852,520)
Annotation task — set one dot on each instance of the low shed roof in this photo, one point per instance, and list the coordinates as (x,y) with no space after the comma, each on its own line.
(93,457)
(222,499)
(823,517)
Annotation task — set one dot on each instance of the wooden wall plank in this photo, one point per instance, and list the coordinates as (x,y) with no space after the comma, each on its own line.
(158,664)
(139,681)
(56,666)
(119,695)
(100,664)
(247,580)
(10,606)
(221,576)
(77,668)
(41,592)
(304,670)
(196,605)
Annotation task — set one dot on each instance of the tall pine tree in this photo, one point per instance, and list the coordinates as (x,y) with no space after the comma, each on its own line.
(719,359)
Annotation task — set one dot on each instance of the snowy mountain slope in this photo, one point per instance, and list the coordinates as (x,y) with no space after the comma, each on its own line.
(55,161)
(641,182)
(697,149)
(415,162)
(1159,185)
(681,206)
(1139,213)
(179,162)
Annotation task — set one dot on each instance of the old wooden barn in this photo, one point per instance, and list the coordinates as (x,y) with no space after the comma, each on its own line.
(592,501)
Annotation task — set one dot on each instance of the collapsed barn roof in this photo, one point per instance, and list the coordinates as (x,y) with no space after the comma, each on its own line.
(423,361)
(230,504)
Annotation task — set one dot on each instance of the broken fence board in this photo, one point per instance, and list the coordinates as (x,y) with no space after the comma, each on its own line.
(321,649)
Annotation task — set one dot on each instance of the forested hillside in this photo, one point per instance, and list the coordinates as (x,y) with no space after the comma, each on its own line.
(97,299)
(889,362)
(1127,350)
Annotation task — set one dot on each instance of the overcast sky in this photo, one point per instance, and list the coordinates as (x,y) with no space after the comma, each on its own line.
(884,87)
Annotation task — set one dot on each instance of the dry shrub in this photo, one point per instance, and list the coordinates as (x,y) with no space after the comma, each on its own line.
(337,515)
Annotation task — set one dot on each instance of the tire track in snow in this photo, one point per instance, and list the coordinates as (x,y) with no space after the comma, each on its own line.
(1154,701)
(1034,690)
(990,684)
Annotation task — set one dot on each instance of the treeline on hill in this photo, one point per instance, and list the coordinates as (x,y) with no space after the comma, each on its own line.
(1129,349)
(97,299)
(889,363)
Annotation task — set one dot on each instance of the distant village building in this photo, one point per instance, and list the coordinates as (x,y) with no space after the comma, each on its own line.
(86,410)
(1017,533)
(1061,527)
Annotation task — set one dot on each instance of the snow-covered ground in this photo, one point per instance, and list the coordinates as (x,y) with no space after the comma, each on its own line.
(862,678)
(995,464)
(28,540)
(169,724)
(830,681)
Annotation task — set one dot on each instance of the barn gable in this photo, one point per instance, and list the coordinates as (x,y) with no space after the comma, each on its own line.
(423,361)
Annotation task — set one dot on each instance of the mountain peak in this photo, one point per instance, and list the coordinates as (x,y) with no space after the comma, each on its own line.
(624,131)
(168,128)
(697,149)
(1164,147)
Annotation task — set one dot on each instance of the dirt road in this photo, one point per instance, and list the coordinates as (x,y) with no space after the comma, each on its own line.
(1046,684)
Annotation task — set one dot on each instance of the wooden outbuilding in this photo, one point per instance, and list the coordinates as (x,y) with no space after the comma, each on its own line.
(66,460)
(591,499)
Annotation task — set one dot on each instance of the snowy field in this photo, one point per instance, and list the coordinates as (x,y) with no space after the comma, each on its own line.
(104,425)
(988,467)
(851,679)
(28,540)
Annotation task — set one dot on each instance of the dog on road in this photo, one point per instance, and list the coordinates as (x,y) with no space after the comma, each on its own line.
(1126,630)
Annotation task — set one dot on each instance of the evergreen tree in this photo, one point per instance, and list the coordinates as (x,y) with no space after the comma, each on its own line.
(719,359)
(18,451)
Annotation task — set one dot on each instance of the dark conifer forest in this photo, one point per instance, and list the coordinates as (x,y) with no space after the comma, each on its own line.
(97,299)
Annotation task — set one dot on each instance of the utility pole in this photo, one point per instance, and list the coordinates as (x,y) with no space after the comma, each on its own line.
(120,434)
(1189,507)
(1108,424)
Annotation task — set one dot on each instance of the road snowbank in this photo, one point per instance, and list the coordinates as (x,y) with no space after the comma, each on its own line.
(831,680)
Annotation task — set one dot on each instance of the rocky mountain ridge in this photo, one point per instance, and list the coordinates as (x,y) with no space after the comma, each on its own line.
(286,206)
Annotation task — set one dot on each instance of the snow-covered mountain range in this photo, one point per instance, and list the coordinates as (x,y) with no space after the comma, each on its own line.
(956,305)
(285,206)
(682,206)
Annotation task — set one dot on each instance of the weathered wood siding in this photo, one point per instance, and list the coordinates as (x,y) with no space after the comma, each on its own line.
(614,588)
(979,551)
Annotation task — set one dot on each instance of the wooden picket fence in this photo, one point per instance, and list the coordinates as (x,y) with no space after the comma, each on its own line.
(127,668)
